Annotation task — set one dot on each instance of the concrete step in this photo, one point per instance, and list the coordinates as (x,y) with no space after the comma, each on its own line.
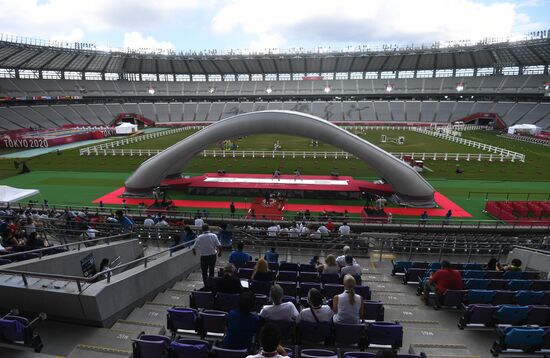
(156,315)
(173,298)
(108,341)
(82,351)
(137,327)
(188,285)
(13,353)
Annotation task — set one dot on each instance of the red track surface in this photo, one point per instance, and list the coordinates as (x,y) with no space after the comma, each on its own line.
(353,184)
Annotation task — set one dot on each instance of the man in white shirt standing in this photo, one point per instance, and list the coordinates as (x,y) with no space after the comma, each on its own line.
(148,222)
(273,230)
(208,245)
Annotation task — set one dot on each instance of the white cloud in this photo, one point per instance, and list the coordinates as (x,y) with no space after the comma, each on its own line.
(75,36)
(359,21)
(135,40)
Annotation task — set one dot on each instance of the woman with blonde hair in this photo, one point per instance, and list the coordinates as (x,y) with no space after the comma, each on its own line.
(348,306)
(330,265)
(261,271)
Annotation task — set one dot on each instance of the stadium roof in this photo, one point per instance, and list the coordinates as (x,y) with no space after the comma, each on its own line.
(31,57)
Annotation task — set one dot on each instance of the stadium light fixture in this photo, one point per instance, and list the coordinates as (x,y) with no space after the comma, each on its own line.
(327,89)
(211,89)
(460,87)
(546,86)
(389,87)
(268,89)
(151,90)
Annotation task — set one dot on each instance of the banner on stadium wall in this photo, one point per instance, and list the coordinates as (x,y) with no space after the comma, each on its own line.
(19,140)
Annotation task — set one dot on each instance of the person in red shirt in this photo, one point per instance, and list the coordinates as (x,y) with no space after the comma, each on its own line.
(330,225)
(443,280)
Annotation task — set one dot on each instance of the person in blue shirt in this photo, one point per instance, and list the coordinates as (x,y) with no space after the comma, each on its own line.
(271,256)
(126,222)
(242,325)
(188,236)
(226,237)
(239,258)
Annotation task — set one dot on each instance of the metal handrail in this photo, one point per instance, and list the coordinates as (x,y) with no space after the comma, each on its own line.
(105,273)
(78,244)
(545,252)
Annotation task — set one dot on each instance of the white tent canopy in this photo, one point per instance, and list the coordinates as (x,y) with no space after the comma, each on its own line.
(524,129)
(10,194)
(126,128)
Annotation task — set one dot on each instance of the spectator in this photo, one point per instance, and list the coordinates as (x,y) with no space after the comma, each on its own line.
(239,258)
(323,230)
(188,236)
(148,222)
(341,260)
(493,265)
(9,239)
(344,230)
(330,265)
(447,219)
(270,340)
(515,265)
(271,256)
(232,209)
(273,230)
(208,246)
(329,225)
(261,271)
(242,325)
(229,283)
(318,312)
(279,311)
(125,221)
(177,242)
(162,222)
(347,306)
(351,268)
(424,218)
(199,222)
(226,237)
(35,243)
(314,261)
(442,280)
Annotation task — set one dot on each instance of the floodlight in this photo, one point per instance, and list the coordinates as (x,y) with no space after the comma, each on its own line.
(327,89)
(389,87)
(151,90)
(460,87)
(268,89)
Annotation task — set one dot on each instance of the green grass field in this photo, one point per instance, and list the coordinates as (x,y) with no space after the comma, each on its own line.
(73,179)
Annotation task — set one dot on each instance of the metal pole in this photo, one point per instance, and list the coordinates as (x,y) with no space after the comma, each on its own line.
(78,285)
(410,251)
(470,253)
(381,249)
(24,279)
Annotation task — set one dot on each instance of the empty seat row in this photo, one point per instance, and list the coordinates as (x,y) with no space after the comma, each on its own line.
(487,315)
(401,266)
(456,298)
(19,332)
(526,339)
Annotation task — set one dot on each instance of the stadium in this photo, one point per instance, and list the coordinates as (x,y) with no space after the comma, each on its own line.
(403,162)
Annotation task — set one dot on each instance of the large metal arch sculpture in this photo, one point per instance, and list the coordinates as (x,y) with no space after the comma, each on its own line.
(410,187)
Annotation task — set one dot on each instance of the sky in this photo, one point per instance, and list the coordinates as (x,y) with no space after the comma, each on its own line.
(198,25)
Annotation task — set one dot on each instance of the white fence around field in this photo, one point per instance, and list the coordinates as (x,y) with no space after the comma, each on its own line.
(538,141)
(131,140)
(298,154)
(470,143)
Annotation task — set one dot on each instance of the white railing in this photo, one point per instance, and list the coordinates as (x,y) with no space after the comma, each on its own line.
(99,148)
(521,138)
(470,143)
(301,154)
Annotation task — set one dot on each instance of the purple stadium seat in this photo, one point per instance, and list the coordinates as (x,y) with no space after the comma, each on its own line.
(212,322)
(4,262)
(332,278)
(363,291)
(290,299)
(540,285)
(493,275)
(218,352)
(318,353)
(309,277)
(289,288)
(12,328)
(346,335)
(503,297)
(545,299)
(227,301)
(478,314)
(530,275)
(313,332)
(374,310)
(288,266)
(286,328)
(288,276)
(413,275)
(385,333)
(498,284)
(260,302)
(245,273)
(150,346)
(372,355)
(451,298)
(202,299)
(332,290)
(189,348)
(261,287)
(181,318)
(538,315)
(307,268)
(306,286)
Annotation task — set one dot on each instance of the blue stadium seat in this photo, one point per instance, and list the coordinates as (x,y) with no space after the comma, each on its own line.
(524,298)
(479,296)
(477,284)
(513,315)
(518,285)
(474,274)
